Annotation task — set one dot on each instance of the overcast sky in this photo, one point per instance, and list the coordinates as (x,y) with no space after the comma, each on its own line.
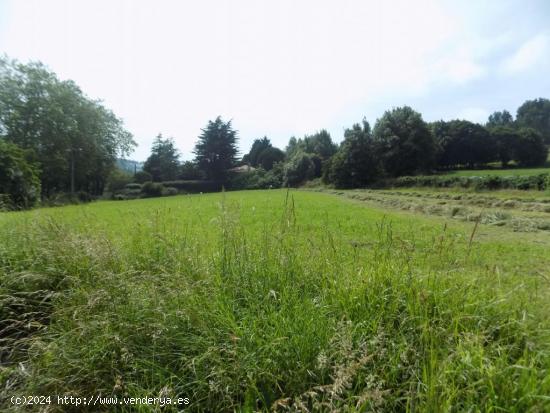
(285,67)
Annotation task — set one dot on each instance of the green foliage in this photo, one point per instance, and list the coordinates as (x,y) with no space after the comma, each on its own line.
(216,150)
(163,163)
(405,143)
(62,126)
(193,187)
(269,157)
(19,178)
(118,179)
(461,142)
(531,150)
(356,163)
(142,176)
(482,182)
(507,140)
(151,189)
(259,178)
(189,171)
(535,114)
(319,144)
(500,119)
(169,191)
(299,169)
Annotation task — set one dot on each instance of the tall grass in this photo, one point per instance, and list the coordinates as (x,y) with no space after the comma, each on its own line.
(266,301)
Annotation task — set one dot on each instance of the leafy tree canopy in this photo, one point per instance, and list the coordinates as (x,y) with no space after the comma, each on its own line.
(356,163)
(19,177)
(535,114)
(405,142)
(67,130)
(503,118)
(216,151)
(163,163)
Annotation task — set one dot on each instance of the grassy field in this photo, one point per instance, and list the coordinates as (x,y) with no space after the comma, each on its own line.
(268,300)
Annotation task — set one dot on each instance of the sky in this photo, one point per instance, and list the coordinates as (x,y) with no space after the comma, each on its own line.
(283,68)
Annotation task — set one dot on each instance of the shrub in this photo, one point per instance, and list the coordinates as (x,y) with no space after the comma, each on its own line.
(117,180)
(19,177)
(133,185)
(169,191)
(300,168)
(195,186)
(489,182)
(142,176)
(151,189)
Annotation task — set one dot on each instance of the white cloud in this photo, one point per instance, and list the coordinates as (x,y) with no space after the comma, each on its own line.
(527,55)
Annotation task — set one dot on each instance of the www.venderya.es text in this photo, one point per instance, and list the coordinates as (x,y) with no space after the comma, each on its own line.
(99,400)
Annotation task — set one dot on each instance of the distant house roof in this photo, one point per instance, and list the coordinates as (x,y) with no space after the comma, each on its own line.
(242,168)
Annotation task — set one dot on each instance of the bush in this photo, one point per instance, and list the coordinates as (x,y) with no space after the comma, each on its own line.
(117,180)
(195,186)
(151,189)
(133,186)
(142,176)
(19,177)
(299,169)
(169,191)
(489,182)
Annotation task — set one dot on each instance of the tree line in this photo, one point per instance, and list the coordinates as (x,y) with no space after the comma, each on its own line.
(54,139)
(400,144)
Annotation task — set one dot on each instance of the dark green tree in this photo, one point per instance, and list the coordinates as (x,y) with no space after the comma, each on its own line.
(535,114)
(216,151)
(320,144)
(76,140)
(269,157)
(19,177)
(299,169)
(258,146)
(404,141)
(503,118)
(530,150)
(355,164)
(506,140)
(463,143)
(189,171)
(163,163)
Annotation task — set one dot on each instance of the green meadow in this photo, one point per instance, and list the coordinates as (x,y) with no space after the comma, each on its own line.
(499,172)
(273,301)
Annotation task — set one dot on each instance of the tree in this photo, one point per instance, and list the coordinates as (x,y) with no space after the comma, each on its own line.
(530,150)
(463,143)
(269,157)
(506,140)
(258,146)
(355,164)
(216,151)
(503,118)
(299,169)
(535,114)
(320,144)
(163,163)
(19,177)
(189,171)
(76,140)
(405,143)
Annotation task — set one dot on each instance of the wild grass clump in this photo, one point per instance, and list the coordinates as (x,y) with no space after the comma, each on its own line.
(267,304)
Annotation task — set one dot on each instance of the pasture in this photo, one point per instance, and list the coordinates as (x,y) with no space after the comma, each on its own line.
(275,300)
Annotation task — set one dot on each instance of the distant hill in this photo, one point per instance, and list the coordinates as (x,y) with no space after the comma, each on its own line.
(129,165)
